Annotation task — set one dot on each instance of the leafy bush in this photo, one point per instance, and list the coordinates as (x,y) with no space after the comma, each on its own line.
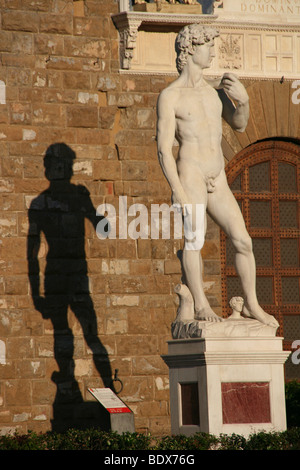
(200,441)
(292,398)
(232,442)
(95,439)
(268,441)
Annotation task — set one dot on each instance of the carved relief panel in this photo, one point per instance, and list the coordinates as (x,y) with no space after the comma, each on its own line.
(231,51)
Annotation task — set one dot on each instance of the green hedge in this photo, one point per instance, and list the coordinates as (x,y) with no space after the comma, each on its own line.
(292,399)
(94,439)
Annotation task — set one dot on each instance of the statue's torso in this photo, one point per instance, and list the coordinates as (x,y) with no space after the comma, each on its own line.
(198,114)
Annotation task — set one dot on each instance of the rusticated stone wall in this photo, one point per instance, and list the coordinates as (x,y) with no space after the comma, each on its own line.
(74,308)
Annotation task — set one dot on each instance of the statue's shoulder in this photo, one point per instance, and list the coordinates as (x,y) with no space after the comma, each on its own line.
(171,92)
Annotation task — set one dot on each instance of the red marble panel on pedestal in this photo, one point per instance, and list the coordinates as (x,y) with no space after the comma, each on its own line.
(246,402)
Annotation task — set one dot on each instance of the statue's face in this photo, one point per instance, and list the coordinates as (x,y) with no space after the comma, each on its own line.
(238,303)
(204,54)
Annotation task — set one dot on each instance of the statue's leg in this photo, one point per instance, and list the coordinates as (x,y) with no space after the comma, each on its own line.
(225,211)
(192,262)
(192,265)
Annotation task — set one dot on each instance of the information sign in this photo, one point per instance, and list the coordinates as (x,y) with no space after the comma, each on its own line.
(109,400)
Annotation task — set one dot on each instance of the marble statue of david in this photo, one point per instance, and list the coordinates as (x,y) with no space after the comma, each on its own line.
(191,110)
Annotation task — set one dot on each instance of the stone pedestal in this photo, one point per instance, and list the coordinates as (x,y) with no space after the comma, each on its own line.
(228,380)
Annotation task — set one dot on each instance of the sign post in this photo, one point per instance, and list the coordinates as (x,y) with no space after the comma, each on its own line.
(121,416)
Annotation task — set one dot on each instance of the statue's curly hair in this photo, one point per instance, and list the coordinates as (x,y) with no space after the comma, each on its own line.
(188,38)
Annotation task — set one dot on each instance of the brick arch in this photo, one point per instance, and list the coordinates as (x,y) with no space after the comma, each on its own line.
(272,115)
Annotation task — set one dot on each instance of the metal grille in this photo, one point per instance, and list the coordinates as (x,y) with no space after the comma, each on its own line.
(264,289)
(236,185)
(287,178)
(291,327)
(291,370)
(263,251)
(288,214)
(289,252)
(230,253)
(265,179)
(290,290)
(234,288)
(260,214)
(259,177)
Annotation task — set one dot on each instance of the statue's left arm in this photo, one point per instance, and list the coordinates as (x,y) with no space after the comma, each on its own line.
(235,102)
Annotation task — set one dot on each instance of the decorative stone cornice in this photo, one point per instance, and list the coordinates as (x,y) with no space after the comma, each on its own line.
(257,26)
(219,358)
(128,23)
(127,17)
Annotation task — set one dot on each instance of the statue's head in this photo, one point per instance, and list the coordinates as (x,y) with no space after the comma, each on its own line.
(237,303)
(188,38)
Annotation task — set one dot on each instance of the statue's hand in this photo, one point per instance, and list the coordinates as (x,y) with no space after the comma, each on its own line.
(180,201)
(234,88)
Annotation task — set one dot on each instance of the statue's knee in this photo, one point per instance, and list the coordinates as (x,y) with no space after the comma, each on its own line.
(244,245)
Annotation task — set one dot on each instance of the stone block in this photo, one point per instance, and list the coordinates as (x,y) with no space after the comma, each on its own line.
(84,116)
(149,365)
(64,63)
(92,136)
(140,267)
(18,392)
(146,118)
(144,248)
(91,27)
(107,117)
(134,171)
(78,9)
(12,166)
(8,224)
(20,113)
(48,44)
(127,284)
(22,43)
(31,368)
(36,5)
(56,24)
(6,41)
(86,47)
(76,80)
(20,21)
(139,321)
(107,170)
(43,392)
(116,323)
(124,300)
(172,267)
(141,345)
(47,114)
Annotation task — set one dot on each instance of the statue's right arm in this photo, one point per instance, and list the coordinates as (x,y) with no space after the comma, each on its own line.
(166,125)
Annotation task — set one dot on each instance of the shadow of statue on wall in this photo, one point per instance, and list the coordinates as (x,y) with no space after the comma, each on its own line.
(58,214)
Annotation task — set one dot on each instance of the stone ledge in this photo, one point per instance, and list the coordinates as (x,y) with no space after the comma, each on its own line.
(228,358)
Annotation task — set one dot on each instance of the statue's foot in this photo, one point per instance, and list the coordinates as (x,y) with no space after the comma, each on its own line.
(207,314)
(259,314)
